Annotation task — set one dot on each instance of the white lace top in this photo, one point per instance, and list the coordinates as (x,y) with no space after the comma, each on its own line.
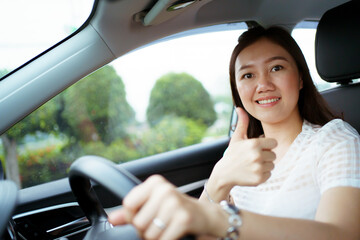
(319,158)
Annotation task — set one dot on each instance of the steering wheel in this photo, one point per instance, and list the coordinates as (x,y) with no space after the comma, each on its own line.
(116,180)
(8,200)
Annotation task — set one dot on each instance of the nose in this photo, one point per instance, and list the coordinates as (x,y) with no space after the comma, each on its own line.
(265,83)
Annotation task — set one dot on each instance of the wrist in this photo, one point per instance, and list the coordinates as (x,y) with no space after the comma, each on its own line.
(234,221)
(224,221)
(217,188)
(217,221)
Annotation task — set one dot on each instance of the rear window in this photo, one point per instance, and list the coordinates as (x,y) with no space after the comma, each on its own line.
(304,34)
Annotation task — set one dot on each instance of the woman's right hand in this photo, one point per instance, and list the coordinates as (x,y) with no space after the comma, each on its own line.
(246,162)
(159,211)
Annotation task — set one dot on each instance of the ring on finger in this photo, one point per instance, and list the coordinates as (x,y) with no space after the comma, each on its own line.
(159,223)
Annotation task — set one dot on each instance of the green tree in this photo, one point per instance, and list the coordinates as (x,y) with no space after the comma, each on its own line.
(171,133)
(96,109)
(180,95)
(41,120)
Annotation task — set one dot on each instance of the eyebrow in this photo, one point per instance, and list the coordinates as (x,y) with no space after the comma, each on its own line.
(266,61)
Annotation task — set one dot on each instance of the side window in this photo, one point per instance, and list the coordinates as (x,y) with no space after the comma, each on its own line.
(304,34)
(162,97)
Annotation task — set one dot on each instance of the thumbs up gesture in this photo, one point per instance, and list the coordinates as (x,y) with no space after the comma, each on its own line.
(246,162)
(242,125)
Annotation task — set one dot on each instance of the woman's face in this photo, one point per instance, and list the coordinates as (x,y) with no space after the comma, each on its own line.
(268,82)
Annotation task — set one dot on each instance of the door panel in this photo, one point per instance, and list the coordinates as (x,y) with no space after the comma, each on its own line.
(49,210)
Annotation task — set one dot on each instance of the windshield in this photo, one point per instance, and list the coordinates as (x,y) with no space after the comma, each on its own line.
(30,27)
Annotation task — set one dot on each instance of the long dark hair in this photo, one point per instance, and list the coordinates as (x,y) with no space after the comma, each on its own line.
(312,106)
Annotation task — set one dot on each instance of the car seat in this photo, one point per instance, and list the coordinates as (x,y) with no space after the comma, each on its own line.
(337,54)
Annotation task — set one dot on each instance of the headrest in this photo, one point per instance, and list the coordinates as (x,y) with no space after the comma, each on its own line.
(337,43)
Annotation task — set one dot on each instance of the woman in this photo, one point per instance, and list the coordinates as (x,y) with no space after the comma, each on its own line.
(291,168)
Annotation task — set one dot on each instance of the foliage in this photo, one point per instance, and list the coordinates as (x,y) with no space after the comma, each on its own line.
(42,165)
(53,161)
(94,118)
(180,95)
(96,109)
(43,120)
(118,151)
(172,133)
(2,159)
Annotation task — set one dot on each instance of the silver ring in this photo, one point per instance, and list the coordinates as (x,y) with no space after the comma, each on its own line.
(159,223)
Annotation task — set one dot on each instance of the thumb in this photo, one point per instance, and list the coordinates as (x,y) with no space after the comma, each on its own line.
(120,217)
(242,125)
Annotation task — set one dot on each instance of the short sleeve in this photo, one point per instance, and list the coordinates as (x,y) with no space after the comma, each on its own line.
(339,160)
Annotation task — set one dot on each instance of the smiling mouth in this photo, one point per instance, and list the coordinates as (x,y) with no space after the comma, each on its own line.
(267,101)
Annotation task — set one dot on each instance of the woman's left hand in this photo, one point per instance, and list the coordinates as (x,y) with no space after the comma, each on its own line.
(159,211)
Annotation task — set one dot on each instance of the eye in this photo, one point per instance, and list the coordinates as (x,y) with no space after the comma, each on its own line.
(277,68)
(247,76)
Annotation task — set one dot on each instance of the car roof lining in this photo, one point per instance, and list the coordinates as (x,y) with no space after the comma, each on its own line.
(123,33)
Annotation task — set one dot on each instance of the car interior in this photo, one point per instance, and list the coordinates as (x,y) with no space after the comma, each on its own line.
(75,207)
(336,59)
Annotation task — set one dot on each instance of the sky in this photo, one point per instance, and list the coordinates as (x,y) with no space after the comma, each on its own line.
(24,34)
(29,27)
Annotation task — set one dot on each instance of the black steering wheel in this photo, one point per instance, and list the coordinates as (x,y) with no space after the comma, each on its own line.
(116,180)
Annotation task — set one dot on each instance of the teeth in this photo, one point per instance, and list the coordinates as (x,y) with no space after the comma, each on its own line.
(268,101)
